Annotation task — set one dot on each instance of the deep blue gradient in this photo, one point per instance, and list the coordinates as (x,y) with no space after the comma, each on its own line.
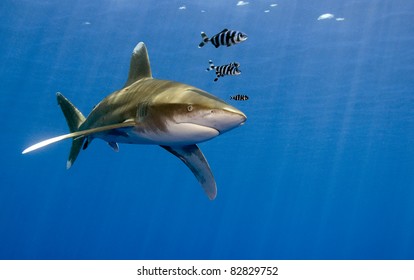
(323,168)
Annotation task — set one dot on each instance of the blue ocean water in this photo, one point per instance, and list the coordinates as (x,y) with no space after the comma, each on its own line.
(322,169)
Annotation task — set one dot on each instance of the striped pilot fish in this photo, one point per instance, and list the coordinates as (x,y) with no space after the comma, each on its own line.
(231,69)
(224,38)
(239,97)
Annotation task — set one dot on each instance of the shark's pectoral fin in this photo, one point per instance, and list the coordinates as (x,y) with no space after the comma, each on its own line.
(192,156)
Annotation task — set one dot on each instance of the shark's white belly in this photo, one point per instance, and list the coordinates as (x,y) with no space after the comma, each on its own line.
(172,134)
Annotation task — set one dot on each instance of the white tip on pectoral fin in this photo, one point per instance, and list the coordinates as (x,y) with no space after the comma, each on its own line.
(80,133)
(47,142)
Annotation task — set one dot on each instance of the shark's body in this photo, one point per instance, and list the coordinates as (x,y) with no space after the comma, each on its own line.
(173,115)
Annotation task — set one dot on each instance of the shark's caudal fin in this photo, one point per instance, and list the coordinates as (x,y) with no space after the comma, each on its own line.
(74,118)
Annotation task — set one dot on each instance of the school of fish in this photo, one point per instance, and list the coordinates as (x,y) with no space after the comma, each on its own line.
(225,38)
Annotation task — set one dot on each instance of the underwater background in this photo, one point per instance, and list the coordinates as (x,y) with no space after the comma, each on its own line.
(322,169)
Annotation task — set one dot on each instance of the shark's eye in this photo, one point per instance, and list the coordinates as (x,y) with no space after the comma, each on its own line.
(189,108)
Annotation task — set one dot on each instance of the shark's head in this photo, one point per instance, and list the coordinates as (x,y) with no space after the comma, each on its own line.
(209,111)
(190,115)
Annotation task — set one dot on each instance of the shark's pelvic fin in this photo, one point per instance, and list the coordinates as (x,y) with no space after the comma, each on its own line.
(192,156)
(114,146)
(78,134)
(140,66)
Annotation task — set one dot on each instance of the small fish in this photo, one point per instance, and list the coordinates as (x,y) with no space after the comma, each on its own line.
(239,97)
(224,38)
(231,69)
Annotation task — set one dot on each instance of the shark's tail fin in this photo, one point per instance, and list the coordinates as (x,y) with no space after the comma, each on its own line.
(74,118)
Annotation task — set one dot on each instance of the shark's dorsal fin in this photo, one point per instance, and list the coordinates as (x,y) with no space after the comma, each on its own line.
(192,156)
(140,66)
(78,134)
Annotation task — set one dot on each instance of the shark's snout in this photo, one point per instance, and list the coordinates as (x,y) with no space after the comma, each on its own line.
(226,119)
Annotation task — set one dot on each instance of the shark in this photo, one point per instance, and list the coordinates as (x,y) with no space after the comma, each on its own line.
(173,115)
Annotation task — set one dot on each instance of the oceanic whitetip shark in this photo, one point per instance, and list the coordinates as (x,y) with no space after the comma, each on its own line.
(173,115)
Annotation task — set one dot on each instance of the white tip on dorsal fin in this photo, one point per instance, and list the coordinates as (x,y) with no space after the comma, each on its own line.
(140,66)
